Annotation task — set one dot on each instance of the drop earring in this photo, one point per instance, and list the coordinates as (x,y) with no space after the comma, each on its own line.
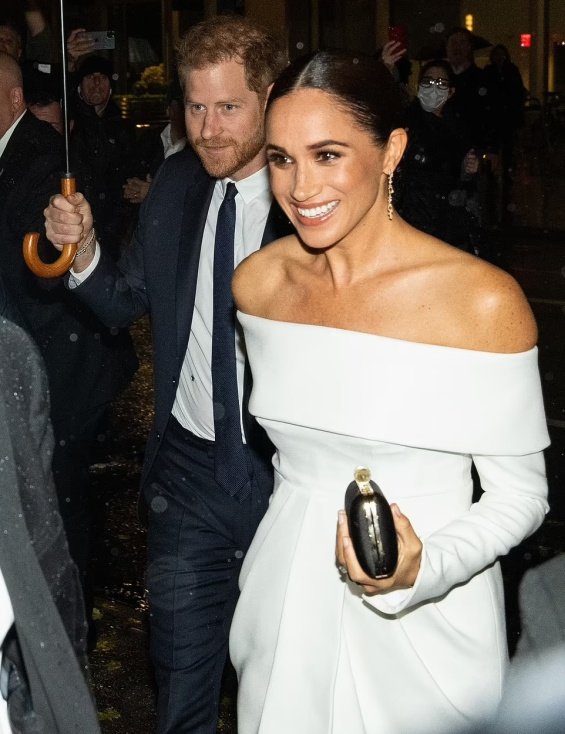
(389,208)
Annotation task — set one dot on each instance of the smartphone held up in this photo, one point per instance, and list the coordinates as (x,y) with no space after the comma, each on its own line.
(102,40)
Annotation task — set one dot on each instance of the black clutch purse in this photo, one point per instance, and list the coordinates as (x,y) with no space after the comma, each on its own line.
(371,526)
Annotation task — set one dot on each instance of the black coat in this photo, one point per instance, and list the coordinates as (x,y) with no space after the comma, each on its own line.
(41,580)
(102,148)
(432,193)
(474,104)
(86,363)
(158,276)
(149,155)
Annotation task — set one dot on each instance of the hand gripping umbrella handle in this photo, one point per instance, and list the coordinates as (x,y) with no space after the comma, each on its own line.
(31,241)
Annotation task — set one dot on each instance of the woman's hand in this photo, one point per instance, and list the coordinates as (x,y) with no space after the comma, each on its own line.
(409,556)
(392,52)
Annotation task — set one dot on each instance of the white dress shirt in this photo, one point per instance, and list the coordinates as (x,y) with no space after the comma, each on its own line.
(8,134)
(168,146)
(193,407)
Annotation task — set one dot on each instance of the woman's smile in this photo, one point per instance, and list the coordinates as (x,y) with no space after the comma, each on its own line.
(317,213)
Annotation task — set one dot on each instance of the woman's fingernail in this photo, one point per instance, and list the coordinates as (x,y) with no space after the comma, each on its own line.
(340,517)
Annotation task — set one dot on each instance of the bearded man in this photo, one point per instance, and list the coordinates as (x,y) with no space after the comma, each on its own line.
(207,475)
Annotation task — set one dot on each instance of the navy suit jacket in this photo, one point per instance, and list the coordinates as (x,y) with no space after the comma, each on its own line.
(157,275)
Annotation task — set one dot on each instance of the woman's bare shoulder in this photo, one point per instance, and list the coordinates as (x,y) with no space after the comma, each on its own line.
(257,278)
(497,314)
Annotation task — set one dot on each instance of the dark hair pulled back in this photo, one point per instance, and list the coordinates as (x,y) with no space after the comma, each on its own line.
(361,86)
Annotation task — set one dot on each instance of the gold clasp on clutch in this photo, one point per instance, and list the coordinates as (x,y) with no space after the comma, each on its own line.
(362,477)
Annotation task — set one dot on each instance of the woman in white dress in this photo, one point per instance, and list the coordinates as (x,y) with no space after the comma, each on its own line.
(374,344)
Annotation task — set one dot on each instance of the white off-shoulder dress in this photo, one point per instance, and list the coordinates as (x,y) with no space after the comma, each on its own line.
(312,653)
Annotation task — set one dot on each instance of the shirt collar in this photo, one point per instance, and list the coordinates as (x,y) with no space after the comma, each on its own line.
(168,146)
(251,187)
(8,134)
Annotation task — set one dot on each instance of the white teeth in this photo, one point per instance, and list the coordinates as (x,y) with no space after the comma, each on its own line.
(317,211)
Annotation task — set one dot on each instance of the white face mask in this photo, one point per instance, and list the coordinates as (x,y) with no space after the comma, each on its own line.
(432,98)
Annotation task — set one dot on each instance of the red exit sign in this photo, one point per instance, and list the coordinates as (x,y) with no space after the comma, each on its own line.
(525,40)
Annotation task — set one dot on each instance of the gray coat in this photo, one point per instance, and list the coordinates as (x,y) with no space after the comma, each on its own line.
(42,581)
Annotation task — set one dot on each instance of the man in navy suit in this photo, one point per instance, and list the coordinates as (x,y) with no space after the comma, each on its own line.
(199,526)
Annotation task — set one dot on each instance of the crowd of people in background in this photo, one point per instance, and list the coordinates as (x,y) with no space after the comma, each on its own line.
(73,331)
(462,126)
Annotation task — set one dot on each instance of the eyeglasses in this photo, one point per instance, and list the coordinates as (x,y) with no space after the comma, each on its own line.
(440,83)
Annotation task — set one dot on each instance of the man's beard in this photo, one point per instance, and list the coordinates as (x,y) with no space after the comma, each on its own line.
(231,157)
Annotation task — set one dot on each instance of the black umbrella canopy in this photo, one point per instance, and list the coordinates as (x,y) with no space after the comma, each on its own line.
(437,50)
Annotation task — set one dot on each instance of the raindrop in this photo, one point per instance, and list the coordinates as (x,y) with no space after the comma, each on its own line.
(159,504)
(549,376)
(73,337)
(239,554)
(300,45)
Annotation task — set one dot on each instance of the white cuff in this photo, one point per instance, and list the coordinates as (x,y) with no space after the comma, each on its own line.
(75,279)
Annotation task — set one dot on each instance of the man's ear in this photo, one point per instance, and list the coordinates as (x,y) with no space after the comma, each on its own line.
(17,98)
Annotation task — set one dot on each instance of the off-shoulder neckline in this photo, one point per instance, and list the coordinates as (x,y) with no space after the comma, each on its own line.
(392,339)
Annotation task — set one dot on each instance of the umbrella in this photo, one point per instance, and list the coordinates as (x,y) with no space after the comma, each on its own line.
(437,50)
(68,186)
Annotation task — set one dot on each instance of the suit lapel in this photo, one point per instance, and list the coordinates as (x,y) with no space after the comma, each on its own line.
(195,211)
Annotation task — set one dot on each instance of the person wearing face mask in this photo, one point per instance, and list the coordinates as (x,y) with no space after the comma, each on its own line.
(438,170)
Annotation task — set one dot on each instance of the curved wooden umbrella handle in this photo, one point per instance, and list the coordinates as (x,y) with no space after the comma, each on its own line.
(31,241)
